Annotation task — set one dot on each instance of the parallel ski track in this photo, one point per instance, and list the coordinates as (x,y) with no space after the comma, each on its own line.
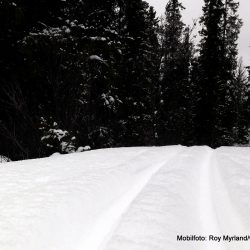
(109,220)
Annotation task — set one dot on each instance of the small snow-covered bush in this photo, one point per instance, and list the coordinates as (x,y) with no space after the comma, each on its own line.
(58,141)
(55,139)
(4,159)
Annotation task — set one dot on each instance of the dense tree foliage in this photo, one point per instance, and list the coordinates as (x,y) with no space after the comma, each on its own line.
(76,75)
(218,65)
(175,112)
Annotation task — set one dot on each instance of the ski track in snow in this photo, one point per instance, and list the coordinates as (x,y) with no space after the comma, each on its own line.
(110,218)
(208,215)
(126,199)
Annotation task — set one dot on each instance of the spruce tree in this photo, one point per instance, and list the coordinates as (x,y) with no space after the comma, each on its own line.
(137,73)
(240,91)
(230,74)
(218,60)
(175,112)
(102,44)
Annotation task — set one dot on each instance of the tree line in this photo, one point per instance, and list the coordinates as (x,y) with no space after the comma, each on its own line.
(76,75)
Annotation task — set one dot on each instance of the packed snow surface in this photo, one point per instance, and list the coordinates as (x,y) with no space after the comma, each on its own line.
(127,199)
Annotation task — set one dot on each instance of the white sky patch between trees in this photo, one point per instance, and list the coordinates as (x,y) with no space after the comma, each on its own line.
(194,10)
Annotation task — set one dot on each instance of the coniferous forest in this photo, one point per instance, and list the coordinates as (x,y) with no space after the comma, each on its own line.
(88,74)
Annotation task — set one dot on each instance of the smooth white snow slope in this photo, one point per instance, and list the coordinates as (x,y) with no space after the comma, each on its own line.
(127,199)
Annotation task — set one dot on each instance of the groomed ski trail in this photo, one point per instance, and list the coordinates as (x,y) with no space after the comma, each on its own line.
(217,211)
(103,229)
(191,206)
(207,211)
(127,199)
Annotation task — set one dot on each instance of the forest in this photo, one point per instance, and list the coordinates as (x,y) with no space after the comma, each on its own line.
(88,74)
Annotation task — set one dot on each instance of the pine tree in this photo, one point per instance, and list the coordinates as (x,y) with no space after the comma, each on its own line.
(77,68)
(210,55)
(218,60)
(230,75)
(189,91)
(137,72)
(153,70)
(175,112)
(240,99)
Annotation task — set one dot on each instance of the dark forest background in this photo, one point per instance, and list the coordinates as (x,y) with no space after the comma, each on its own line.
(84,74)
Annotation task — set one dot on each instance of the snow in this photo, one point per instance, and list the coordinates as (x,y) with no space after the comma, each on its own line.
(98,38)
(127,199)
(82,149)
(97,58)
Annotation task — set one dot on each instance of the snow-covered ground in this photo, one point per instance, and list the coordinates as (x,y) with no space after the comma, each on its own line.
(127,199)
